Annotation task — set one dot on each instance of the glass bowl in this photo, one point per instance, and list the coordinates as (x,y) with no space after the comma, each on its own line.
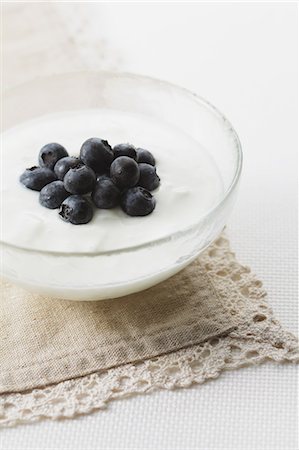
(121,272)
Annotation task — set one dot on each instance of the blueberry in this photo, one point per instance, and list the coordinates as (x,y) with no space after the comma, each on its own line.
(148,177)
(105,195)
(97,154)
(50,153)
(79,179)
(125,150)
(36,178)
(124,172)
(65,164)
(144,156)
(53,194)
(76,210)
(137,201)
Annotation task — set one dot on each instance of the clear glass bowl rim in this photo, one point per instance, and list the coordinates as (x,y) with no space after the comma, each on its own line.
(195,97)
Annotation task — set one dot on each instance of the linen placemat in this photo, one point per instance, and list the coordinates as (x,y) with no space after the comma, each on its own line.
(252,335)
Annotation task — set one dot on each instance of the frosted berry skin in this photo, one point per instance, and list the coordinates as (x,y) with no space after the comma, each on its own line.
(105,194)
(36,178)
(124,172)
(97,154)
(49,154)
(101,177)
(148,178)
(79,180)
(76,210)
(145,156)
(53,194)
(63,165)
(137,201)
(125,150)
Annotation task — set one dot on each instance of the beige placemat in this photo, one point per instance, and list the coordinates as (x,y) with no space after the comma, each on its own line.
(211,317)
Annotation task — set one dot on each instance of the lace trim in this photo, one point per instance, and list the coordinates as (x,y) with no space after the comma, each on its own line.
(259,338)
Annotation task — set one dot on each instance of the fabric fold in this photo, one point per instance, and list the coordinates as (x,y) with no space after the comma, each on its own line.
(44,340)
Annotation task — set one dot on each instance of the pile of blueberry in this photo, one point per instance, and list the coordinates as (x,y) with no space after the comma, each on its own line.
(101,175)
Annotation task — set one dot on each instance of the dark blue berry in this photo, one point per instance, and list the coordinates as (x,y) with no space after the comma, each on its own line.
(36,178)
(105,195)
(79,180)
(53,194)
(144,156)
(76,210)
(50,153)
(148,177)
(137,201)
(125,150)
(124,172)
(97,154)
(63,165)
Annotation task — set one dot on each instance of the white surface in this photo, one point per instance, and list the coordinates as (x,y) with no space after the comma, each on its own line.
(243,58)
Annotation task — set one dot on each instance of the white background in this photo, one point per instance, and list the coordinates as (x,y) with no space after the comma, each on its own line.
(243,58)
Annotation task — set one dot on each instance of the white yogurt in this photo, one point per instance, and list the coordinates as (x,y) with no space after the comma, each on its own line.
(190,183)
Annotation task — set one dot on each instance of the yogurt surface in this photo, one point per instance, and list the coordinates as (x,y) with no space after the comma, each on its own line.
(190,183)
